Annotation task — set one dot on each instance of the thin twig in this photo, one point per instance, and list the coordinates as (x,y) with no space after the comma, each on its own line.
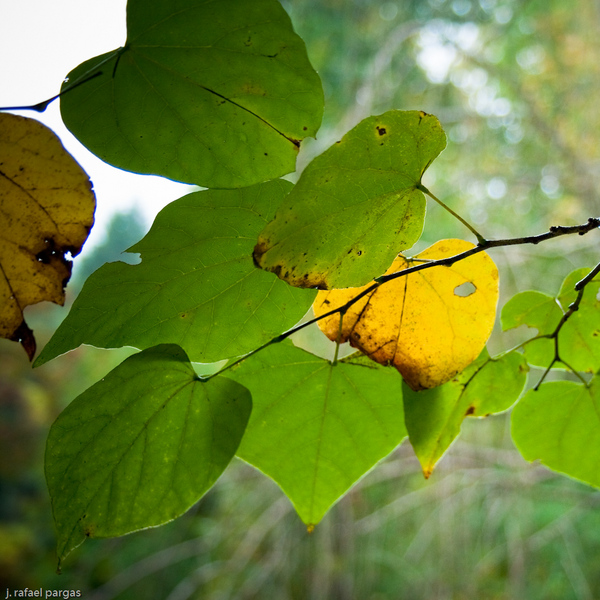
(557,231)
(573,308)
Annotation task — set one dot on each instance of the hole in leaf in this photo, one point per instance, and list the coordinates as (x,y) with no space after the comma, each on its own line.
(465,289)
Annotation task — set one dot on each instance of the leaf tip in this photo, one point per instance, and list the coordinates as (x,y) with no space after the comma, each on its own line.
(25,337)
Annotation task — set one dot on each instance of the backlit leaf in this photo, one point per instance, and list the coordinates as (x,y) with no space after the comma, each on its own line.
(434,417)
(196,285)
(537,310)
(559,424)
(316,428)
(355,206)
(423,323)
(46,212)
(579,338)
(213,93)
(141,446)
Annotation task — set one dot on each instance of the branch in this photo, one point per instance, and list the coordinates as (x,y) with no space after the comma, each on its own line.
(553,232)
(573,308)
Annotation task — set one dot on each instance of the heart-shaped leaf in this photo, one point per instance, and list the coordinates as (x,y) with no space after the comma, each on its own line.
(559,424)
(141,446)
(213,93)
(355,206)
(196,285)
(316,428)
(430,324)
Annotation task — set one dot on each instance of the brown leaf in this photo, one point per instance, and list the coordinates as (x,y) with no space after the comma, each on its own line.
(46,213)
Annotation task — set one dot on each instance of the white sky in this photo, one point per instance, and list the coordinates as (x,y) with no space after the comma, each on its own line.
(40,42)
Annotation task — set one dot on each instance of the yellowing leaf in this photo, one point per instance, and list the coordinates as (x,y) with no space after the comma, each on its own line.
(46,212)
(430,324)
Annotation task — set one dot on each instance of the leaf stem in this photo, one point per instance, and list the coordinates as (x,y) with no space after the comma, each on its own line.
(84,78)
(339,337)
(480,238)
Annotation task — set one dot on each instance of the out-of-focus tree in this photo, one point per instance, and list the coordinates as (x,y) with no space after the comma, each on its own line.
(514,84)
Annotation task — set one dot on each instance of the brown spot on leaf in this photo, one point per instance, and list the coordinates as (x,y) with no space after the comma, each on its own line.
(381,130)
(470,411)
(257,253)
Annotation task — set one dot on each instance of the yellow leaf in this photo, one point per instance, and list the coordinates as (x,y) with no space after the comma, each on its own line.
(46,213)
(430,324)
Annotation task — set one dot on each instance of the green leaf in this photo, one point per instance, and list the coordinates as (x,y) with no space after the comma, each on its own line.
(317,428)
(196,285)
(536,310)
(579,338)
(434,417)
(141,446)
(559,424)
(213,93)
(355,206)
(568,293)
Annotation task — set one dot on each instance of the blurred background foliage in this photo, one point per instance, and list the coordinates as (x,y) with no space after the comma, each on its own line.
(515,85)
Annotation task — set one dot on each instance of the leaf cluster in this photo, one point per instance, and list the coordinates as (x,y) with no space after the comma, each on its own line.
(222,95)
